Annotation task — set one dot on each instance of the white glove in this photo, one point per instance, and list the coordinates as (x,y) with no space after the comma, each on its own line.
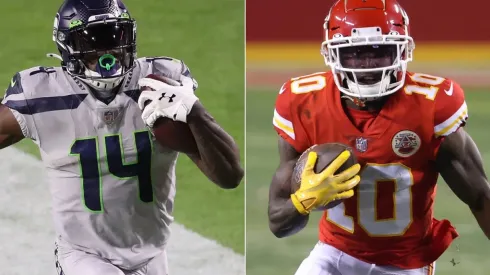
(174,102)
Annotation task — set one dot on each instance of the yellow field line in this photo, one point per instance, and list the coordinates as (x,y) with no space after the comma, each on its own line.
(424,52)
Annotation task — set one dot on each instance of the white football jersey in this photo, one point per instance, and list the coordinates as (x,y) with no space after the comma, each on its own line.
(112,186)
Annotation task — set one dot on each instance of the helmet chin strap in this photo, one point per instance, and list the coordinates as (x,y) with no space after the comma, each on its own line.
(357,101)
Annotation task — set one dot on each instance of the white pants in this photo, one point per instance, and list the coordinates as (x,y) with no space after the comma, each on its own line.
(76,262)
(327,260)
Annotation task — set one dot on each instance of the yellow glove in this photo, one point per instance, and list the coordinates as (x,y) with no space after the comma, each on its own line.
(318,190)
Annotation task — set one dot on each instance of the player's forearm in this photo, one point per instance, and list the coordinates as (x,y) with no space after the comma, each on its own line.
(284,219)
(480,203)
(460,164)
(219,156)
(483,216)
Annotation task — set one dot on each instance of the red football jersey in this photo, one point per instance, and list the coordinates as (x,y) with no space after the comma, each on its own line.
(389,220)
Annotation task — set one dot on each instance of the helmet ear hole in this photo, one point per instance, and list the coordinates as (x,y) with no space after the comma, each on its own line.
(74,66)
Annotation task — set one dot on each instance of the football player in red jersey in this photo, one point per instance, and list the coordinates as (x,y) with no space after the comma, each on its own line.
(405,128)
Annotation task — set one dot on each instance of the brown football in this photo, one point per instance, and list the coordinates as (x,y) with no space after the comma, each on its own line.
(327,152)
(175,135)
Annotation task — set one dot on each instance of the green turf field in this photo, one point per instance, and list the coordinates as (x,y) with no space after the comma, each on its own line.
(208,36)
(268,255)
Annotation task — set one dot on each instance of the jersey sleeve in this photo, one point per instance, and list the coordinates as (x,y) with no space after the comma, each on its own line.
(450,111)
(174,69)
(17,101)
(284,122)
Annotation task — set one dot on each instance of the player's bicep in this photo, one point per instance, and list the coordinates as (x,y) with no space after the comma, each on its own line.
(10,130)
(460,164)
(281,181)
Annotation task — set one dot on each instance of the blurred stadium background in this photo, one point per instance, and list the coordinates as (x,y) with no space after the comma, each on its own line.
(283,41)
(208,36)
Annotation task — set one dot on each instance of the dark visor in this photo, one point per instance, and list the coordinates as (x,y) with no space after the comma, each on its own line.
(102,37)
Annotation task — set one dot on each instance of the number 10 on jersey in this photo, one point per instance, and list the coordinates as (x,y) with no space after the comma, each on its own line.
(376,179)
(87,151)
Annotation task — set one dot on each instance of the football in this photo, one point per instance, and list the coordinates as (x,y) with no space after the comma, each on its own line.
(327,152)
(175,135)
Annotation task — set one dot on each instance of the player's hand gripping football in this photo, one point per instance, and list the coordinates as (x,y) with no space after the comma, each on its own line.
(169,99)
(317,190)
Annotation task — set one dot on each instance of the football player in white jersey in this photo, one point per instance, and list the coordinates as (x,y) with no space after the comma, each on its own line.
(112,186)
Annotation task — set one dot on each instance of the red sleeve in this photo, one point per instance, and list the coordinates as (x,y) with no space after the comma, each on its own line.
(450,112)
(285,124)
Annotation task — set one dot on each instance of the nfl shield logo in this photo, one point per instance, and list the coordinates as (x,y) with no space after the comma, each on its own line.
(110,116)
(361,144)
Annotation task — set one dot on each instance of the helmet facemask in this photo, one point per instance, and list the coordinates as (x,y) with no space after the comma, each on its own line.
(368,65)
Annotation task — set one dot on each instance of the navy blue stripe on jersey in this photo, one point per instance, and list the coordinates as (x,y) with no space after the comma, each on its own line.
(133,94)
(46,104)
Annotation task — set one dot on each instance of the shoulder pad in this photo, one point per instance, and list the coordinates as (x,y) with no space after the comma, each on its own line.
(451,111)
(447,97)
(32,82)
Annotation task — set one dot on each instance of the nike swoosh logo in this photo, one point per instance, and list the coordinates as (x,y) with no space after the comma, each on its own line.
(12,82)
(283,88)
(450,91)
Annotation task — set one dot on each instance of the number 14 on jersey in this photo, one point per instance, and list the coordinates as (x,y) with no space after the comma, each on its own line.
(87,151)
